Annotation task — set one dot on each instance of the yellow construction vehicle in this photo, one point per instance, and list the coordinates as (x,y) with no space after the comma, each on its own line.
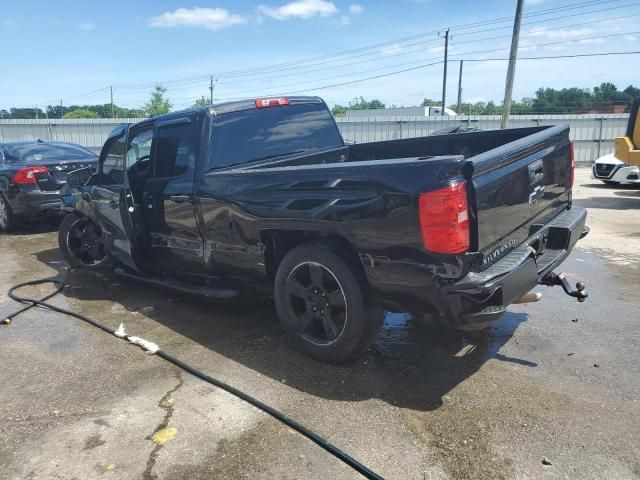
(627,148)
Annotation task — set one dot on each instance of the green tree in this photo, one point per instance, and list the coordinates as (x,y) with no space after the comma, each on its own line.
(427,102)
(81,113)
(605,92)
(157,104)
(632,91)
(202,102)
(24,113)
(359,103)
(339,110)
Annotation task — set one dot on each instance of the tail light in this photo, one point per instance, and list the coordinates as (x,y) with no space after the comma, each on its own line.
(271,102)
(444,219)
(573,164)
(27,176)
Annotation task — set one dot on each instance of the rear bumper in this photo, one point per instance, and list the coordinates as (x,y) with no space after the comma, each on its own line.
(30,203)
(477,299)
(481,298)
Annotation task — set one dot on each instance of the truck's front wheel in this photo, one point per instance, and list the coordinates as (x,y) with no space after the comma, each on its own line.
(80,241)
(323,305)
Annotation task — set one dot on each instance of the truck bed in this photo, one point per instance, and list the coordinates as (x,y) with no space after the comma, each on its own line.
(497,166)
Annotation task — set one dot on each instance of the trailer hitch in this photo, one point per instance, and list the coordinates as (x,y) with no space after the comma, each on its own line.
(554,279)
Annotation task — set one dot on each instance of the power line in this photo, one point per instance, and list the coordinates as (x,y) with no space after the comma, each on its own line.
(303,72)
(461,54)
(279,66)
(200,80)
(552,19)
(322,87)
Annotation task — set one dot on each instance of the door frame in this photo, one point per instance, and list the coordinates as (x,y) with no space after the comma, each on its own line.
(121,194)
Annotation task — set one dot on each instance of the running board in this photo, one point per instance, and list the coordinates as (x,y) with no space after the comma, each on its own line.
(206,291)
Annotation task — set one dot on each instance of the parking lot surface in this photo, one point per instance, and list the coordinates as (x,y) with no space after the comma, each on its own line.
(556,381)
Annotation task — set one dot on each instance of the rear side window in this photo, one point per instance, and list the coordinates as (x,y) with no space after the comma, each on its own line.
(174,147)
(250,135)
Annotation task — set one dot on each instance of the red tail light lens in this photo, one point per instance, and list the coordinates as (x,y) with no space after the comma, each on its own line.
(573,164)
(27,176)
(444,219)
(271,102)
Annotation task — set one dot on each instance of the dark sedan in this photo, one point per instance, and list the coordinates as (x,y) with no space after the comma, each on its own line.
(31,175)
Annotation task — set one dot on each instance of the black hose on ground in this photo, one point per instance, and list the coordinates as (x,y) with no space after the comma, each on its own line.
(60,284)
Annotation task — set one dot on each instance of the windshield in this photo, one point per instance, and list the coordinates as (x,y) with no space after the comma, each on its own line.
(46,152)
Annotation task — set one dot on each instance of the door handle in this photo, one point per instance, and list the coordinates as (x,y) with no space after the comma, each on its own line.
(180,198)
(113,204)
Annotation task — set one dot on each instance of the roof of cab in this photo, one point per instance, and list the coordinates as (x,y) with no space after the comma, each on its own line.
(227,107)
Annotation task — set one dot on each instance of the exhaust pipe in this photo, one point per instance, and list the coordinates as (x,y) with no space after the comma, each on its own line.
(529,298)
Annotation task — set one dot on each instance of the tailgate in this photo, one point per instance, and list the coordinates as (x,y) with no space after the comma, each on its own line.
(516,185)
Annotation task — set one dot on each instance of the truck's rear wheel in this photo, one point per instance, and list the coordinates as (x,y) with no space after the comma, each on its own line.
(81,244)
(323,305)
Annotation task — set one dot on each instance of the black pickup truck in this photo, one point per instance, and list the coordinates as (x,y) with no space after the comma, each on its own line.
(263,197)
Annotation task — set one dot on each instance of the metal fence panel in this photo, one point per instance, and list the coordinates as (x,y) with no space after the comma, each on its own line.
(593,134)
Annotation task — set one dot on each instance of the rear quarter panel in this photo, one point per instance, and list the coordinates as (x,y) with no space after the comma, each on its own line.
(373,205)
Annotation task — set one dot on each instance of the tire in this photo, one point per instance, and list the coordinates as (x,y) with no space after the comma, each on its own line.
(81,244)
(609,182)
(7,220)
(344,321)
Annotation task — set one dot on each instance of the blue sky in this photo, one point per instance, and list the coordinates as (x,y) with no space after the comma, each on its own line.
(76,50)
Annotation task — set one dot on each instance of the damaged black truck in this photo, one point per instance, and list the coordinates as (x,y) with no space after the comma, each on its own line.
(264,198)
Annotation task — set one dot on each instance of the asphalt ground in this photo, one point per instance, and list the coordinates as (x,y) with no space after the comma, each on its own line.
(555,380)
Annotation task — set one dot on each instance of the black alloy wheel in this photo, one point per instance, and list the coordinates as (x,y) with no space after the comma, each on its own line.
(323,302)
(81,243)
(317,303)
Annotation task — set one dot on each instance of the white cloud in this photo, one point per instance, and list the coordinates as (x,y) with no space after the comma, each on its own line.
(631,38)
(393,49)
(344,21)
(533,2)
(211,18)
(86,26)
(356,9)
(591,40)
(299,9)
(526,46)
(554,34)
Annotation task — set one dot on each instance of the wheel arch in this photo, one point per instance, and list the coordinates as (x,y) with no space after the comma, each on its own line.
(280,242)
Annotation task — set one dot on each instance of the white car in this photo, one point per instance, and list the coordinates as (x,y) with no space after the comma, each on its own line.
(613,171)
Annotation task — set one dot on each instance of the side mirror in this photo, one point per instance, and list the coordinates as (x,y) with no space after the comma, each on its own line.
(627,148)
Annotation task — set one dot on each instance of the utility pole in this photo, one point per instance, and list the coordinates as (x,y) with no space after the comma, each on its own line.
(444,76)
(212,85)
(61,109)
(37,118)
(511,70)
(460,88)
(113,111)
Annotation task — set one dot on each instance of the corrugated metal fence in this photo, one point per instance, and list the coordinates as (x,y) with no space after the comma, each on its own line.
(593,134)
